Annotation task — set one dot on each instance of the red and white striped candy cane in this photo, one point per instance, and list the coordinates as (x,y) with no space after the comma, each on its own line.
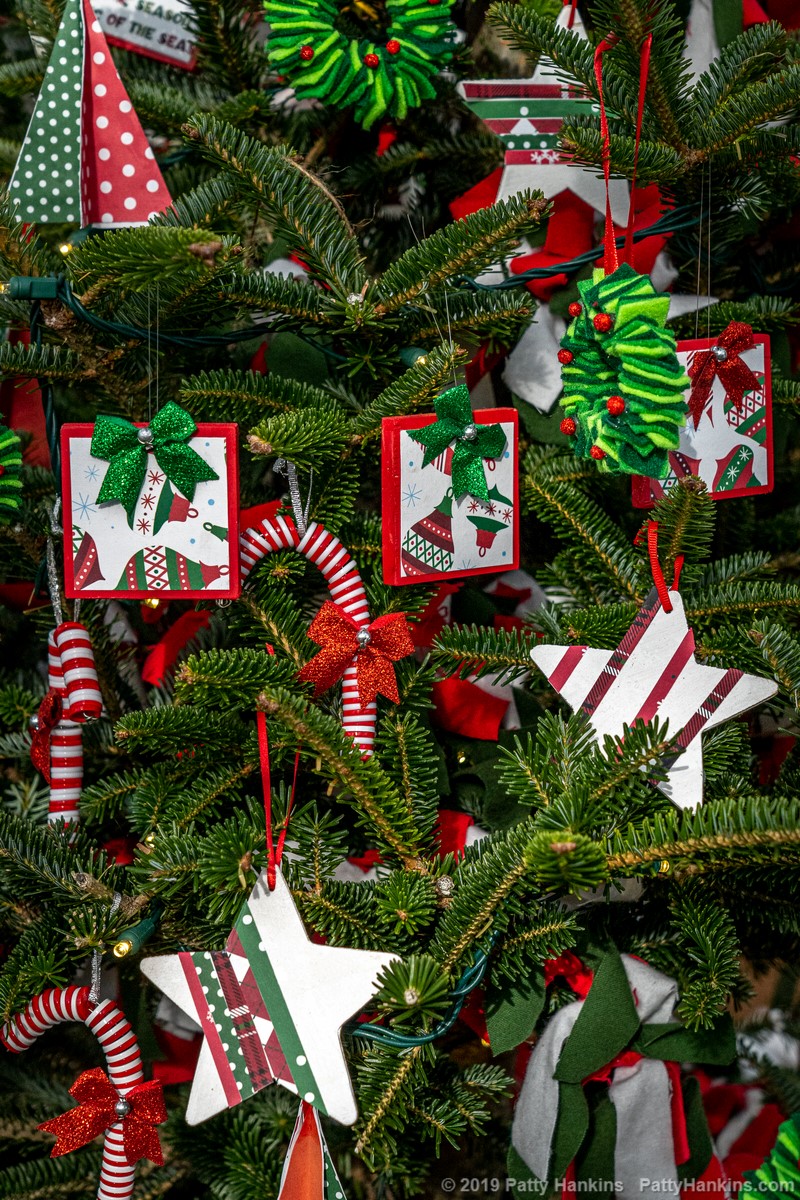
(123,1062)
(346,590)
(66,747)
(83,701)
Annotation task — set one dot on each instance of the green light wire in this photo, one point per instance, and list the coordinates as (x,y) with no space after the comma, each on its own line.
(470,979)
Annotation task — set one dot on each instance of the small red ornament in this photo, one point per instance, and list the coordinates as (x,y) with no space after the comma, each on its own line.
(568,426)
(615,405)
(371,60)
(565,357)
(603,322)
(393,46)
(306,53)
(575,309)
(597,453)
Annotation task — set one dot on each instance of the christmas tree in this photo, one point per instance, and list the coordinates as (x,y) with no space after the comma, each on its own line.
(453,883)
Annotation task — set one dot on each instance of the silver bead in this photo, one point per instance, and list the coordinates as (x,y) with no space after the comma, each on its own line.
(720,353)
(354,298)
(411,996)
(33,722)
(444,885)
(363,637)
(144,436)
(122,1108)
(470,433)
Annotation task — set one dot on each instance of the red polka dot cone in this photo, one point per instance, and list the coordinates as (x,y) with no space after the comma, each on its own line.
(85,158)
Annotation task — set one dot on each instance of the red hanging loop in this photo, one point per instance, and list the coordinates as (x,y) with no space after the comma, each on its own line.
(644,71)
(573,9)
(655,566)
(274,854)
(610,262)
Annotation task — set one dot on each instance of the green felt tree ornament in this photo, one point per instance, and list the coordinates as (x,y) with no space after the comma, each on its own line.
(779,1174)
(624,400)
(328,53)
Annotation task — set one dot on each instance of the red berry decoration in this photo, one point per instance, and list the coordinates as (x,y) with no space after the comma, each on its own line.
(393,46)
(371,60)
(603,322)
(575,309)
(565,357)
(597,453)
(568,426)
(615,405)
(306,53)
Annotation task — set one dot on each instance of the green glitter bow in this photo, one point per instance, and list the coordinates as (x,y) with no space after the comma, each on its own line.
(125,449)
(454,423)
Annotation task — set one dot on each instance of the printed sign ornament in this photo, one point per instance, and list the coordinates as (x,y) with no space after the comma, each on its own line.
(653,674)
(120,1104)
(372,647)
(727,443)
(623,399)
(386,74)
(126,448)
(471,443)
(103,171)
(271,1007)
(722,361)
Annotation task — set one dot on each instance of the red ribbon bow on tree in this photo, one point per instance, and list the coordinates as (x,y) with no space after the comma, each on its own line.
(50,712)
(722,362)
(373,646)
(99,1102)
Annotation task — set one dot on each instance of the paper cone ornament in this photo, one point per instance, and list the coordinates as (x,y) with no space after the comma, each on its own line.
(85,157)
(308,1171)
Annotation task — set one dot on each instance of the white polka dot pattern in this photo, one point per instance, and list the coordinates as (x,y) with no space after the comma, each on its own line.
(121,184)
(346,590)
(85,157)
(56,121)
(123,1063)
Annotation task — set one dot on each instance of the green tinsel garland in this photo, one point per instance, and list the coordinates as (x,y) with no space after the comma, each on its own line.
(779,1174)
(10,472)
(308,47)
(624,388)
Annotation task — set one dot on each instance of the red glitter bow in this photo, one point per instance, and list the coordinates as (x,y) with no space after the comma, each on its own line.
(734,374)
(96,1112)
(337,633)
(50,713)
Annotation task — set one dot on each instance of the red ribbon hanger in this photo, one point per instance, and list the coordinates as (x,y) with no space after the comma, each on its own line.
(655,566)
(274,853)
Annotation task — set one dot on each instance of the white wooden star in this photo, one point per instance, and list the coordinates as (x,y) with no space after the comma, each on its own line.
(653,673)
(271,1006)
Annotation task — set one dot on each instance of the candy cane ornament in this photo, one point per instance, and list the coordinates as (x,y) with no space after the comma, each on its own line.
(346,591)
(125,1074)
(72,676)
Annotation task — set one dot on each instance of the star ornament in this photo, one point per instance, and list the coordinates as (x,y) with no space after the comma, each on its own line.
(271,1006)
(653,674)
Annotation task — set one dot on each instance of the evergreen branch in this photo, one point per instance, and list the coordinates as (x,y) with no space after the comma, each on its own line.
(737,598)
(415,389)
(281,295)
(478,650)
(366,786)
(312,220)
(583,144)
(46,362)
(754,105)
(311,443)
(754,54)
(248,397)
(471,244)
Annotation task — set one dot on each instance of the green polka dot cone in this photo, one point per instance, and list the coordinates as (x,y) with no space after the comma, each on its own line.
(46,184)
(421,34)
(634,359)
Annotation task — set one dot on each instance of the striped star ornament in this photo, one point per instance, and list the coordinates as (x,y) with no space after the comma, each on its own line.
(271,1006)
(653,674)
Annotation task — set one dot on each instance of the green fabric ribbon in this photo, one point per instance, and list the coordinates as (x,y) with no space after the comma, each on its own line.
(117,441)
(473,443)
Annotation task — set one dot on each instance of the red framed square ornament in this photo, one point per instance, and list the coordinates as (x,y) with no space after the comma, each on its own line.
(430,534)
(176,549)
(730,447)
